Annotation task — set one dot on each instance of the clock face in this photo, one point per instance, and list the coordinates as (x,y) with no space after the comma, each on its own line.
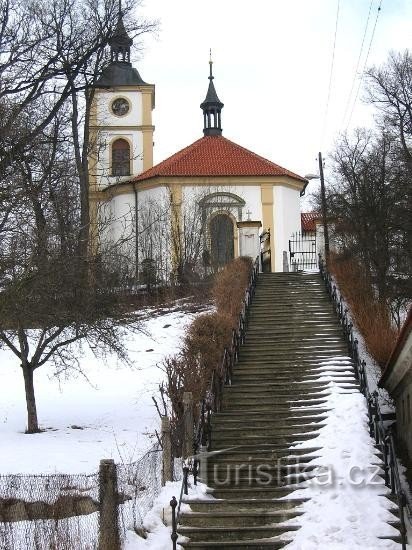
(120,106)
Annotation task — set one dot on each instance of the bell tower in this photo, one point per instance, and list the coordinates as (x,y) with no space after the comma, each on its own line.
(212,107)
(121,129)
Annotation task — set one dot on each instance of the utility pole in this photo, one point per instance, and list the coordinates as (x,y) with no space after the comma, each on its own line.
(324,215)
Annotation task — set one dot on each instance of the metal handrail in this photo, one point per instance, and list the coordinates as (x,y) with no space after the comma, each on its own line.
(382,434)
(222,375)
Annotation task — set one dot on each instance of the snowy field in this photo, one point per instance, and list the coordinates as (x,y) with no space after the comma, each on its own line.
(109,416)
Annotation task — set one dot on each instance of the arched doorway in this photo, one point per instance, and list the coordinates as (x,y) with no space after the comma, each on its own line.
(221,240)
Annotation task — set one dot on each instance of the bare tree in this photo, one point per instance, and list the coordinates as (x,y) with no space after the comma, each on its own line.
(51,55)
(45,305)
(55,51)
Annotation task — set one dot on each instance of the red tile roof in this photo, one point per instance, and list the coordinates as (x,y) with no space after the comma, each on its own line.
(216,156)
(308,220)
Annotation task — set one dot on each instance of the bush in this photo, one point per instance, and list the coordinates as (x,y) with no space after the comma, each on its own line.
(230,286)
(372,317)
(206,338)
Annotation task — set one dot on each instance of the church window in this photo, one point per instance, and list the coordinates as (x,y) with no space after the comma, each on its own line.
(120,106)
(120,158)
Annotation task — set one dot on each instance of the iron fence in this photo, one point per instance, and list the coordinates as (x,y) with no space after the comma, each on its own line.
(302,251)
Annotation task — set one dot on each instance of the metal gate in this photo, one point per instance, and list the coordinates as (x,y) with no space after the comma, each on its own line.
(302,251)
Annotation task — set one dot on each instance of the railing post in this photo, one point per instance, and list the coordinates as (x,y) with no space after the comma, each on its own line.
(188,424)
(174,535)
(167,469)
(185,479)
(109,538)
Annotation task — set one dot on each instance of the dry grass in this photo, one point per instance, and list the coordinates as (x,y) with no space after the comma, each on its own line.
(370,316)
(229,288)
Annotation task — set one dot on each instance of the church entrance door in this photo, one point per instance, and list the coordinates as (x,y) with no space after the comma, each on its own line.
(221,240)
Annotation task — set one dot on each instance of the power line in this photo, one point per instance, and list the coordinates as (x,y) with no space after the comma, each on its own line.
(358,63)
(364,65)
(331,74)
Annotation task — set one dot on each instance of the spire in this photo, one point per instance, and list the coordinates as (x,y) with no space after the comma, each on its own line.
(120,42)
(212,107)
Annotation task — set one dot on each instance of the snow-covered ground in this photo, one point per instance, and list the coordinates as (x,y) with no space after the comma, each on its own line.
(111,416)
(348,509)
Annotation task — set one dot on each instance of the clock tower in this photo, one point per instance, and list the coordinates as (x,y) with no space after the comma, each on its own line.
(121,129)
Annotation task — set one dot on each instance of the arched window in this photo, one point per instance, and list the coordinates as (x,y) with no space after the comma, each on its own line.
(120,158)
(221,239)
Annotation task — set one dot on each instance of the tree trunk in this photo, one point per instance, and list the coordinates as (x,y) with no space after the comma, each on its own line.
(32,423)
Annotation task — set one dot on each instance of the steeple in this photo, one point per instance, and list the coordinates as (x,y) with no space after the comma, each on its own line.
(120,42)
(212,107)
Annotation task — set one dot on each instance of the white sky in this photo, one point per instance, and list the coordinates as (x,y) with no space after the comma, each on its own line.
(272,63)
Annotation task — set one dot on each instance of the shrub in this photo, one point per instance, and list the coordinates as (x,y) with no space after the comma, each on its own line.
(371,316)
(230,286)
(192,368)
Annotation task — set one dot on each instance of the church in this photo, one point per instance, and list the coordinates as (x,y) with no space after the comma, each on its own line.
(209,203)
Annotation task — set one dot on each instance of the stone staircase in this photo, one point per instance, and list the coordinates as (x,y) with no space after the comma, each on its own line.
(268,408)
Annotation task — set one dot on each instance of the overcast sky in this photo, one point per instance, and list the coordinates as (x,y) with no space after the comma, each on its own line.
(272,61)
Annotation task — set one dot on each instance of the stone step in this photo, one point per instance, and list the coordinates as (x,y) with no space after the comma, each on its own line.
(264,474)
(304,365)
(221,461)
(212,534)
(273,406)
(285,395)
(263,452)
(266,339)
(263,420)
(290,351)
(288,367)
(261,479)
(293,319)
(269,389)
(252,431)
(246,544)
(251,492)
(283,415)
(229,519)
(243,505)
(244,378)
(221,442)
(271,334)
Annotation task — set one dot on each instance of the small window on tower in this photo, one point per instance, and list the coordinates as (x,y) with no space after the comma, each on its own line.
(120,158)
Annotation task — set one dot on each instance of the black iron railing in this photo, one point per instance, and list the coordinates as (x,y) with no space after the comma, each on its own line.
(212,403)
(379,426)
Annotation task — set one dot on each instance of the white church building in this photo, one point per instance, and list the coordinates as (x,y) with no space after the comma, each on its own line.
(206,204)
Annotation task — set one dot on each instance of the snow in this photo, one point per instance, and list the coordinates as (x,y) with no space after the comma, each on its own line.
(347,509)
(111,416)
(158,521)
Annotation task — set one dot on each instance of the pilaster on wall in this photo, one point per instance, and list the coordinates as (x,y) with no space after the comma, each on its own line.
(147,127)
(266,194)
(176,198)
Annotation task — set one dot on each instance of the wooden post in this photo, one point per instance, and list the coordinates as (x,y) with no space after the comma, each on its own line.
(109,538)
(167,469)
(188,424)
